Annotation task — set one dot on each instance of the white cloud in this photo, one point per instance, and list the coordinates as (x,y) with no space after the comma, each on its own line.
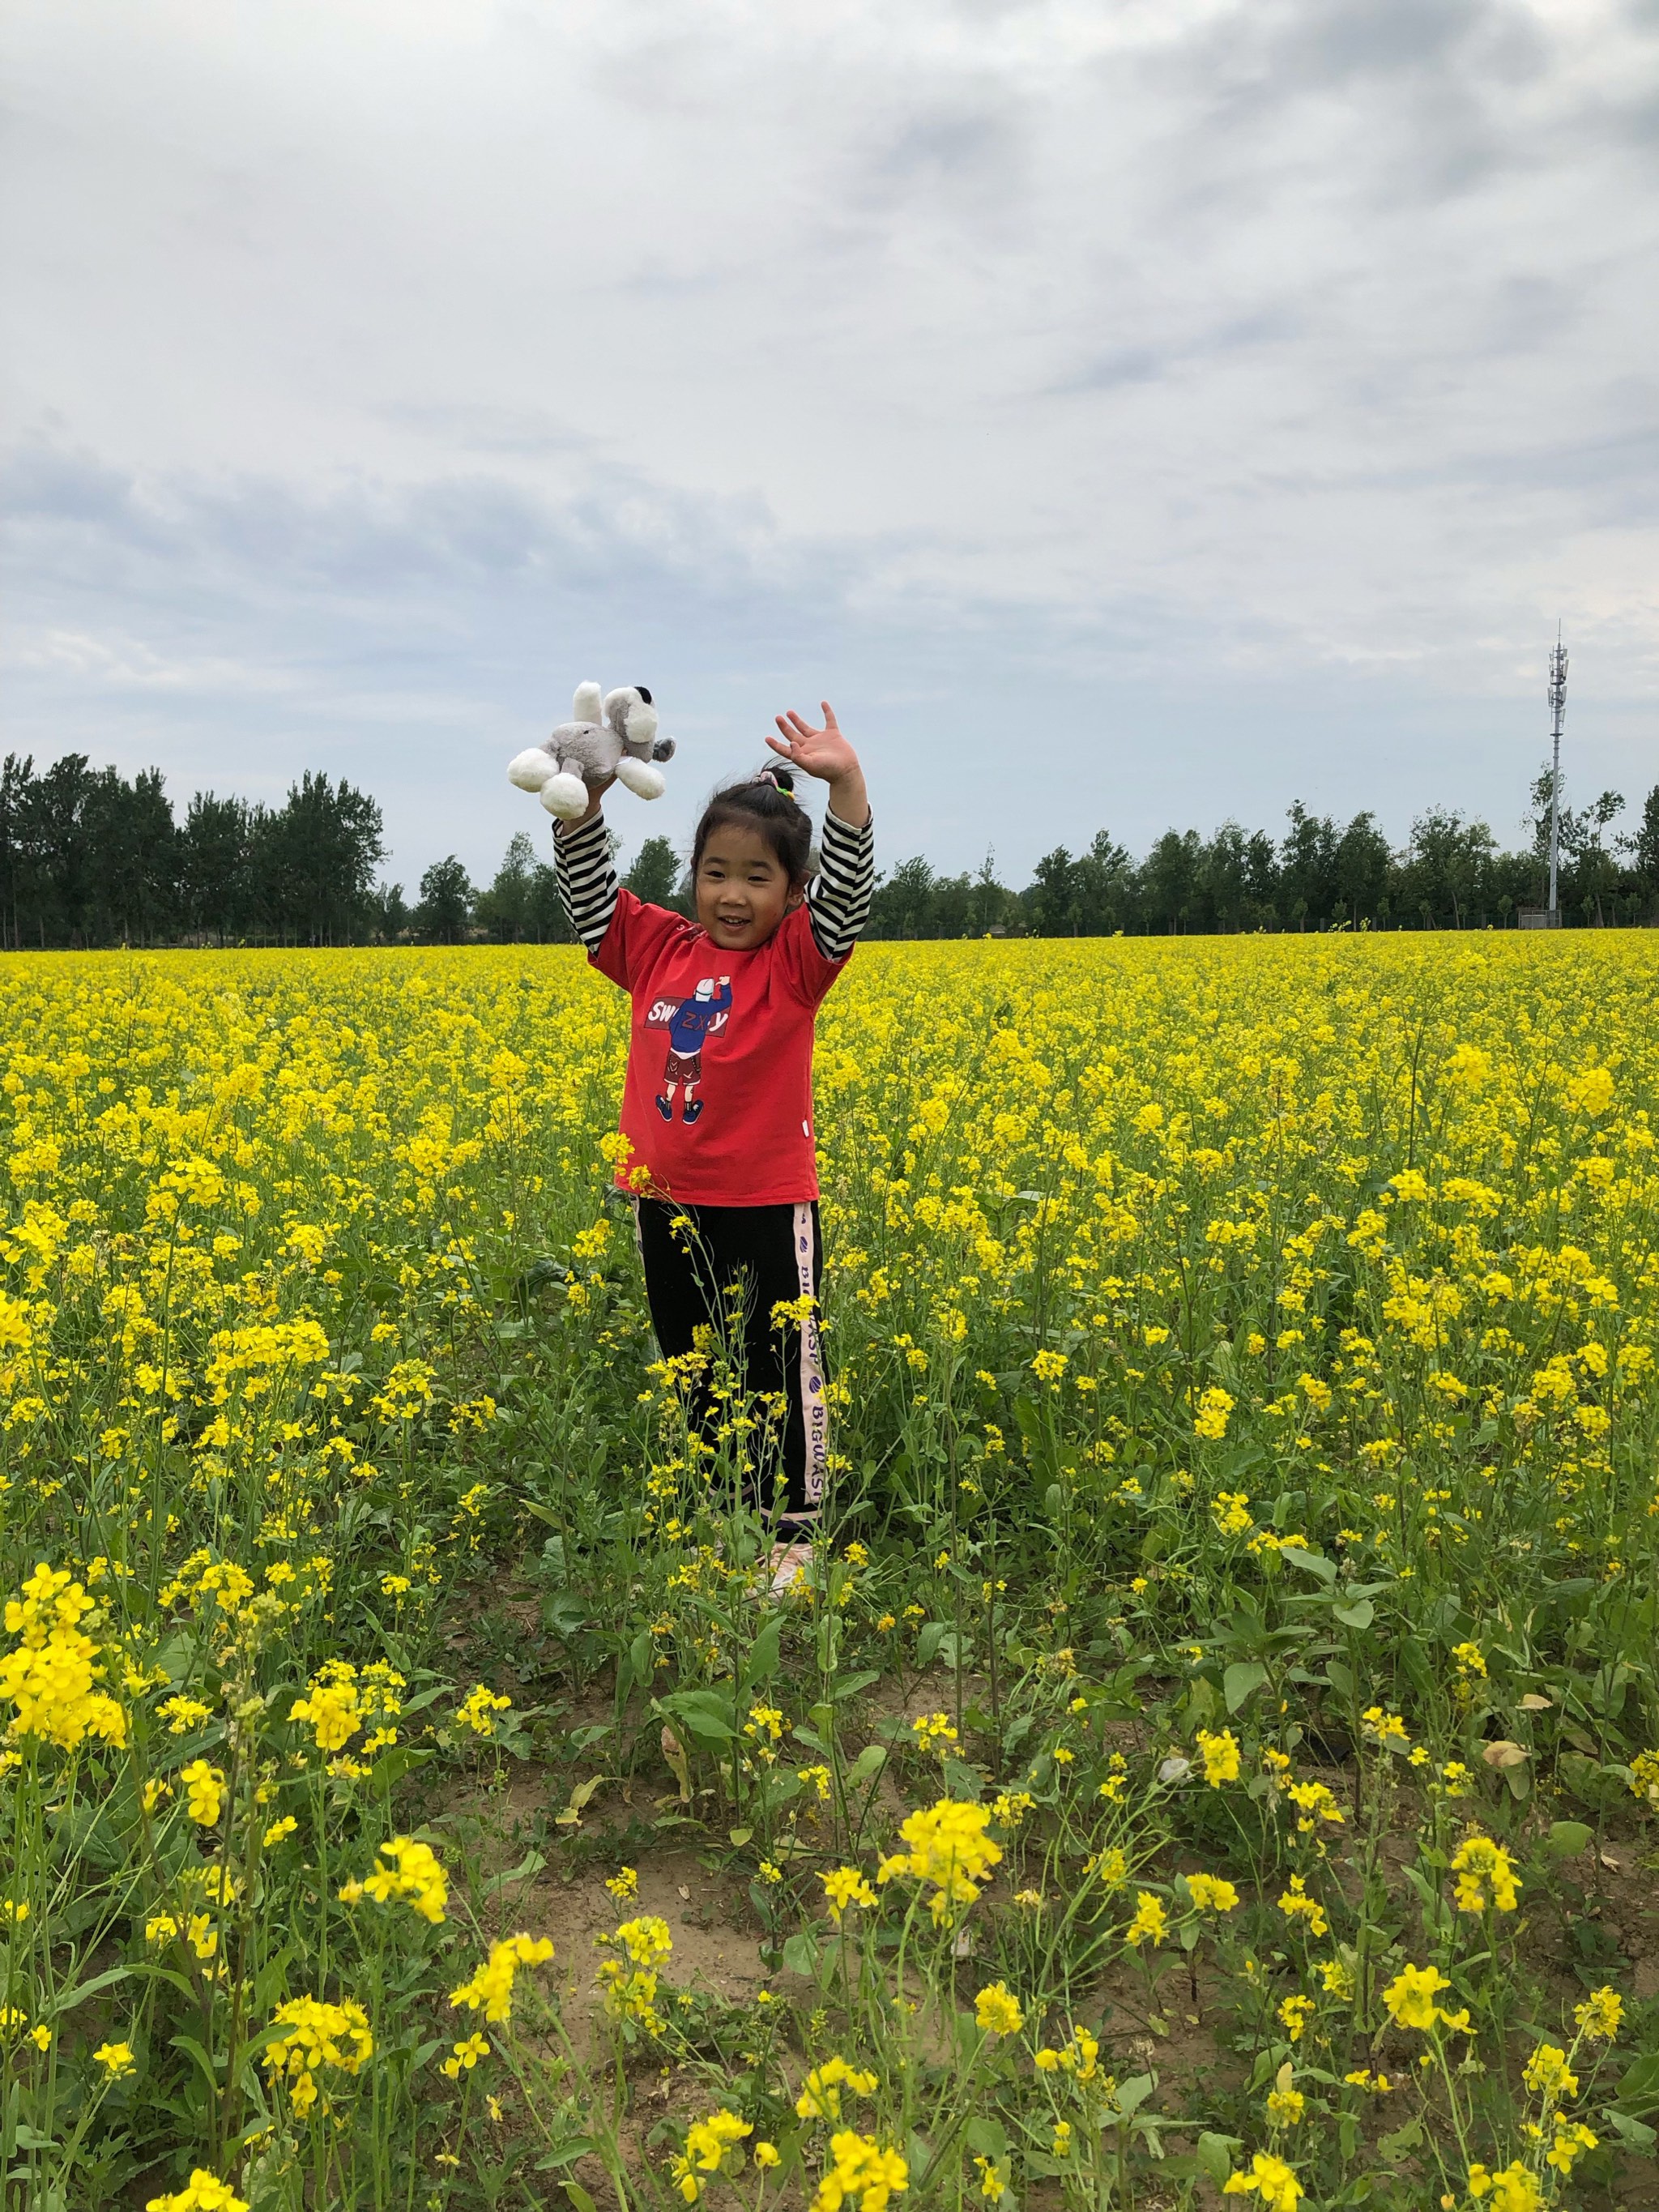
(1285,366)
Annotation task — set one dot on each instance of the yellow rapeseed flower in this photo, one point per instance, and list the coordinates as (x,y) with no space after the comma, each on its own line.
(997,2009)
(1485,1875)
(843,1887)
(1271,2180)
(490,1990)
(1221,1757)
(1151,1924)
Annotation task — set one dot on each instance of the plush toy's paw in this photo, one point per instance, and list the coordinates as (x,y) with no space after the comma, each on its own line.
(565,795)
(663,749)
(641,778)
(530,770)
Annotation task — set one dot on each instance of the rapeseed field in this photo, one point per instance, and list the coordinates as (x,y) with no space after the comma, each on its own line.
(1217,1754)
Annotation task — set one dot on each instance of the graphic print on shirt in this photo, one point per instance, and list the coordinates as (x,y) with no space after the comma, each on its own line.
(688,1022)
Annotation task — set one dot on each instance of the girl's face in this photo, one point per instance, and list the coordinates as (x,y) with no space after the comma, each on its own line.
(743,891)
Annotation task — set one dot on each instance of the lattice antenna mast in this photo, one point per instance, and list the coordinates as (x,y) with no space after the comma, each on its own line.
(1558,715)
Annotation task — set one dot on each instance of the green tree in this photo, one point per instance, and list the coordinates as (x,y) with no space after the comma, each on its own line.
(1308,889)
(1223,869)
(1171,879)
(1598,872)
(16,872)
(389,917)
(1103,887)
(902,903)
(991,905)
(1362,866)
(63,866)
(950,910)
(130,832)
(445,907)
(545,920)
(1643,847)
(213,866)
(1447,876)
(314,862)
(504,908)
(656,873)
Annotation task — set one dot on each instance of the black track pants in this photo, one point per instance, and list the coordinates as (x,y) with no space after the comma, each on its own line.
(776,1254)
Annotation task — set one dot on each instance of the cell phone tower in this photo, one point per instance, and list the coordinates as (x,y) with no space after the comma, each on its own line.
(1558,715)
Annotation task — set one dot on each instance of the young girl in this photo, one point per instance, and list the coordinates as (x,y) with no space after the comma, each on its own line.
(717,1107)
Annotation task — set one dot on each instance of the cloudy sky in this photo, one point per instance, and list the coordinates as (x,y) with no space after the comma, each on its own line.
(1139,412)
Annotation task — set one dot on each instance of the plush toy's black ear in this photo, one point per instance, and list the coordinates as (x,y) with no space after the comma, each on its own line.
(643,693)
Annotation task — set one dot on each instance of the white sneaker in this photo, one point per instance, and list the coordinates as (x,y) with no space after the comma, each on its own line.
(788,1566)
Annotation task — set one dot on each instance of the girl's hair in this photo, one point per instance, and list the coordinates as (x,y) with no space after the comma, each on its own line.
(765,802)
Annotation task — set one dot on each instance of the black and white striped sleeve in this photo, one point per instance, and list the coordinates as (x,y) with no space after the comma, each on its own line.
(587,882)
(838,897)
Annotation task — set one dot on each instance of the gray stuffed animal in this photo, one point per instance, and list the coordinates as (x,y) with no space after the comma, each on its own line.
(609,739)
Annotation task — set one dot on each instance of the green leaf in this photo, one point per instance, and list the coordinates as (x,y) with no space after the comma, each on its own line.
(800,1952)
(190,2045)
(563,1613)
(1567,1839)
(865,1767)
(1635,2135)
(1201,1700)
(740,1837)
(1403,2141)
(1359,1615)
(579,2197)
(1240,1679)
(777,1786)
(1638,2086)
(849,1686)
(82,1991)
(708,1718)
(1028,1418)
(578,2147)
(1315,1562)
(1590,1782)
(1214,2156)
(765,1653)
(1133,2092)
(532,1861)
(392,1765)
(927,1643)
(149,1972)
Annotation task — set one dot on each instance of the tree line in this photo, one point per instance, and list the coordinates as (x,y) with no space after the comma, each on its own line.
(1451,874)
(88,858)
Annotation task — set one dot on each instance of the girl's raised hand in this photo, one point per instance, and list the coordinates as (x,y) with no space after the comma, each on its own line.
(823,753)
